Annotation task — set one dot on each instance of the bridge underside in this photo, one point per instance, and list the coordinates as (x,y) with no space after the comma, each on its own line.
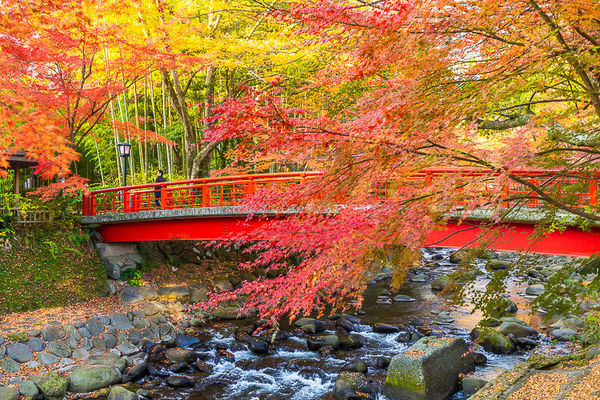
(211,224)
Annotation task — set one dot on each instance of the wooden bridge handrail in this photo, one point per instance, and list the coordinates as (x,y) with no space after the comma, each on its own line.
(129,198)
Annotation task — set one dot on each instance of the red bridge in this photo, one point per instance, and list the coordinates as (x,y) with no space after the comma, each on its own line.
(208,209)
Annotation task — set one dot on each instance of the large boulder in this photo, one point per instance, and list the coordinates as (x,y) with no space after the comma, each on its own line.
(428,370)
(88,379)
(492,340)
(52,385)
(353,386)
(519,330)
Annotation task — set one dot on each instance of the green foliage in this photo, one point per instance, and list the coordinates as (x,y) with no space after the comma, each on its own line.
(591,335)
(133,276)
(20,337)
(563,292)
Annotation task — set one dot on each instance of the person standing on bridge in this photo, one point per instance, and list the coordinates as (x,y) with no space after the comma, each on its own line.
(157,189)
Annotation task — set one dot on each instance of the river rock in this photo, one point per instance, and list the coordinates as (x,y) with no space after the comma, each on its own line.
(352,341)
(312,325)
(353,386)
(47,358)
(229,313)
(136,372)
(19,352)
(120,393)
(443,318)
(535,290)
(346,324)
(120,321)
(383,300)
(94,327)
(258,346)
(315,343)
(479,358)
(563,334)
(131,296)
(184,341)
(177,355)
(429,369)
(52,385)
(103,359)
(441,283)
(497,265)
(472,385)
(81,354)
(355,366)
(148,293)
(59,348)
(53,332)
(384,328)
(8,393)
(516,329)
(174,293)
(28,389)
(402,298)
(510,319)
(87,379)
(492,340)
(382,362)
(36,344)
(9,366)
(179,381)
(127,349)
(504,307)
(419,278)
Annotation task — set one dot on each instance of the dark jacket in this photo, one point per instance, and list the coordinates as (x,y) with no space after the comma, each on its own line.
(157,188)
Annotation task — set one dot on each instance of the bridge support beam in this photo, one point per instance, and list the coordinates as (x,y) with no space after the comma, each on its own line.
(508,237)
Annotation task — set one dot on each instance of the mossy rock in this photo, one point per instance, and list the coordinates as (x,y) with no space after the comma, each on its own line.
(502,307)
(441,283)
(429,369)
(52,385)
(492,340)
(20,337)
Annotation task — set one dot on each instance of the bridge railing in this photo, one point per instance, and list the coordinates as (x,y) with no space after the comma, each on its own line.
(581,190)
(206,192)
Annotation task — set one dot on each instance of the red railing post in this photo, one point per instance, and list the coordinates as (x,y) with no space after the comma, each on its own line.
(428,178)
(126,207)
(205,195)
(250,189)
(505,194)
(593,191)
(533,202)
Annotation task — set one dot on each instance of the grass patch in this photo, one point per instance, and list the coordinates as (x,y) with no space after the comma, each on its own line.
(40,268)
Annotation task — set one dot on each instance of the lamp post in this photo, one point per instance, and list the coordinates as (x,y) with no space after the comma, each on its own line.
(124,151)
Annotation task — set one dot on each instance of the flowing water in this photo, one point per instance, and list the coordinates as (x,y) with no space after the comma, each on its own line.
(291,372)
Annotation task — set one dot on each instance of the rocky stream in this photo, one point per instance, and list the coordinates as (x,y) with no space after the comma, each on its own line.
(223,361)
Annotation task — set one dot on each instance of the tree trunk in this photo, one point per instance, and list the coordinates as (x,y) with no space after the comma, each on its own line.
(201,162)
(181,108)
